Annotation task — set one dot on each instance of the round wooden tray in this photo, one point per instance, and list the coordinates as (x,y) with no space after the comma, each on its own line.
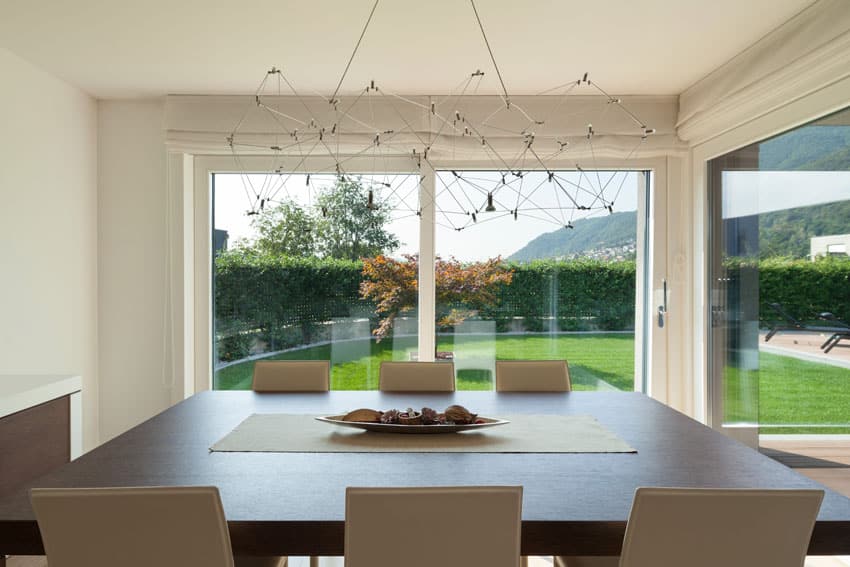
(398,428)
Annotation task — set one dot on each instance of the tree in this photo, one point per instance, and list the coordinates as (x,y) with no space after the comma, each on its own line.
(348,228)
(461,289)
(342,226)
(285,230)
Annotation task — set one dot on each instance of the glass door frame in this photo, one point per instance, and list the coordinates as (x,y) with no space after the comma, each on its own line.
(645,323)
(198,228)
(708,376)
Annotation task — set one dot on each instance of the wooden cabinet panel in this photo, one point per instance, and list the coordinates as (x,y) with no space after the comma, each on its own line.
(33,442)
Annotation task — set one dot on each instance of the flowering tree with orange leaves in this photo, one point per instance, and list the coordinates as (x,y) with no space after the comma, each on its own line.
(394,286)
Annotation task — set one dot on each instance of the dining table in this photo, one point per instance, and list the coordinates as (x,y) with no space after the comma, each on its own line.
(293,502)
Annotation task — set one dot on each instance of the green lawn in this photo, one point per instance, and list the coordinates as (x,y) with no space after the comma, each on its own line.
(784,391)
(608,358)
(789,391)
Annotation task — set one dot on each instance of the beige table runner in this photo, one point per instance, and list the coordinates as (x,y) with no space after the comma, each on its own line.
(288,433)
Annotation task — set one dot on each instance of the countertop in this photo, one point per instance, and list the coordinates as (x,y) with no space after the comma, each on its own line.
(21,391)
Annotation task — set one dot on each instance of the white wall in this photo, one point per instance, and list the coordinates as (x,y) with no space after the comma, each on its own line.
(135,330)
(48,230)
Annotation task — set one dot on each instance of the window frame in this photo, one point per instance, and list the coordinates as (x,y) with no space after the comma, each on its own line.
(649,358)
(796,113)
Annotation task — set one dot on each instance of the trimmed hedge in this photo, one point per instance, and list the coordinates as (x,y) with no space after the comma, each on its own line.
(283,298)
(574,295)
(285,301)
(803,288)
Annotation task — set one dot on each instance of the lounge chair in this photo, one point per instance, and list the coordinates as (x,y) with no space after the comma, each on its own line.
(789,323)
(837,336)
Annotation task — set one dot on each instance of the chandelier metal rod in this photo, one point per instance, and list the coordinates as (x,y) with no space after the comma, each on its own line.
(492,58)
(353,53)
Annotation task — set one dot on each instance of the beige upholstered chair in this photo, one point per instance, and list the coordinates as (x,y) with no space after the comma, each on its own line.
(669,527)
(133,527)
(532,376)
(180,526)
(287,376)
(417,377)
(706,527)
(416,527)
(291,376)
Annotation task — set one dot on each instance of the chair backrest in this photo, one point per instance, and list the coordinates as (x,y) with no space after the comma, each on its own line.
(777,307)
(532,376)
(417,377)
(431,526)
(292,376)
(133,527)
(670,527)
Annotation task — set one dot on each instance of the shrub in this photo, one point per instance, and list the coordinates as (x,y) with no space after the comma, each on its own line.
(803,288)
(284,301)
(234,347)
(461,289)
(580,294)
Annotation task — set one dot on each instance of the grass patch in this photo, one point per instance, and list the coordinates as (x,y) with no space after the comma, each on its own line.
(788,391)
(782,393)
(603,360)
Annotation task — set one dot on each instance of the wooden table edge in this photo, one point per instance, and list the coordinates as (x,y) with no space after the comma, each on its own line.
(326,538)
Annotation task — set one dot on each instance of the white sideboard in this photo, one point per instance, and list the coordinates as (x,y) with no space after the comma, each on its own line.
(40,425)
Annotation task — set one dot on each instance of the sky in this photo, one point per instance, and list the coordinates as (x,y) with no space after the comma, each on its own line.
(755,192)
(542,205)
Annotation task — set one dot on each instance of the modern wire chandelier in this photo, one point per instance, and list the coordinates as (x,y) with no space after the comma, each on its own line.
(522,180)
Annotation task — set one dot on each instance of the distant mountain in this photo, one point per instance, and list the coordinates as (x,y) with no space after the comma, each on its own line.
(816,147)
(607,237)
(788,232)
(811,148)
(781,233)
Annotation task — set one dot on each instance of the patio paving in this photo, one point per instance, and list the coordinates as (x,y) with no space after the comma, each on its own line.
(824,459)
(806,346)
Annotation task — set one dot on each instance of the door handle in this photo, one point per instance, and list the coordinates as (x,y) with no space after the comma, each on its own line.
(662,309)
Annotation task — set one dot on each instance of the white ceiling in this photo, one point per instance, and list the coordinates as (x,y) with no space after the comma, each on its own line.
(127,48)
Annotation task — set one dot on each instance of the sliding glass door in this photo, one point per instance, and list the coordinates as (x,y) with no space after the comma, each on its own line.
(564,271)
(780,282)
(288,272)
(327,267)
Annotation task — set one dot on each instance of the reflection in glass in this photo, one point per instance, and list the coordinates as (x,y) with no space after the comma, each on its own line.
(572,265)
(781,213)
(287,277)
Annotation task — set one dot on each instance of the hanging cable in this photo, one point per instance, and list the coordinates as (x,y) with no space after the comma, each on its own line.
(492,58)
(353,53)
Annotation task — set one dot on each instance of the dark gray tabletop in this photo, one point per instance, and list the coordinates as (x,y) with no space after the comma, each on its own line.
(293,503)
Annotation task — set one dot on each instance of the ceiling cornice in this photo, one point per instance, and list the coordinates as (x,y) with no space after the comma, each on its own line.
(810,52)
(202,124)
